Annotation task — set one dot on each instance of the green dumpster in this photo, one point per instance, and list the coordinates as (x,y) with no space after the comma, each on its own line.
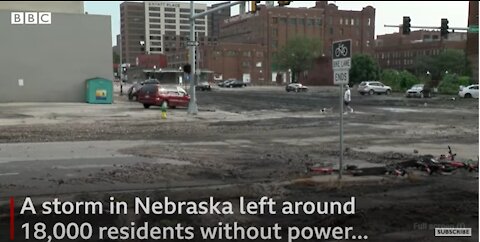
(99,91)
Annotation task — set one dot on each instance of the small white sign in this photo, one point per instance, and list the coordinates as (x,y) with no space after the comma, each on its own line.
(340,77)
(344,63)
(20,82)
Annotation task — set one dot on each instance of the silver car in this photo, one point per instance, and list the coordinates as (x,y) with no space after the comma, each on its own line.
(372,87)
(415,91)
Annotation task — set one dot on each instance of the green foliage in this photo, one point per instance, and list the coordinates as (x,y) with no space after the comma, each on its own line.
(398,80)
(298,54)
(364,68)
(451,60)
(451,82)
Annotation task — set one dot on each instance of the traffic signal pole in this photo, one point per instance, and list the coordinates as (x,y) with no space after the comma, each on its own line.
(423,27)
(192,105)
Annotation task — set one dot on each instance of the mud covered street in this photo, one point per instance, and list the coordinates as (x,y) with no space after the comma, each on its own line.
(253,142)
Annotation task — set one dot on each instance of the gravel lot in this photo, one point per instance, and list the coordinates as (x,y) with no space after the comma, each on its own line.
(255,141)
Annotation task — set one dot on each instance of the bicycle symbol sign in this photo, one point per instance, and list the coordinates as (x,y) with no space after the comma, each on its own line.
(341,49)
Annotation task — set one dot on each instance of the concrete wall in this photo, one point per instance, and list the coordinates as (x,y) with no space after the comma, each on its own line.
(53,60)
(47,6)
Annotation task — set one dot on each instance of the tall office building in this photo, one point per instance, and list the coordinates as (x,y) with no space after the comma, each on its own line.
(167,25)
(132,30)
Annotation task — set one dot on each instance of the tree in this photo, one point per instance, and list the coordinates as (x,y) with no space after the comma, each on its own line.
(298,55)
(364,68)
(448,61)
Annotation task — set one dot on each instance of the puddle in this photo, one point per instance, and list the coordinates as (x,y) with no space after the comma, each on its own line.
(402,110)
(9,174)
(80,167)
(172,162)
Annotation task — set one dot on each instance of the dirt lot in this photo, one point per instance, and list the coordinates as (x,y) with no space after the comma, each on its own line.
(256,141)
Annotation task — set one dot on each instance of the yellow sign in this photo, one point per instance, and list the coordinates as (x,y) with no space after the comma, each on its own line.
(101,94)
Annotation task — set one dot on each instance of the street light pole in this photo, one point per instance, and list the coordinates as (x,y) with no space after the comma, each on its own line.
(192,105)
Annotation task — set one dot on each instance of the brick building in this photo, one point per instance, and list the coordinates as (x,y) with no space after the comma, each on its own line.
(272,27)
(397,51)
(216,18)
(472,38)
(132,30)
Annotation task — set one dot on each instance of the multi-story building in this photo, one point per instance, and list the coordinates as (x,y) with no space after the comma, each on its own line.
(216,19)
(272,27)
(132,30)
(397,51)
(167,25)
(472,38)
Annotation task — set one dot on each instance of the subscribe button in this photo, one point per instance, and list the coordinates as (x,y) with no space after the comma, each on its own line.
(453,232)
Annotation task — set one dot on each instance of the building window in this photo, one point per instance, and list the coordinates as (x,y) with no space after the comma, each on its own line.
(169,9)
(245,64)
(185,10)
(346,21)
(319,22)
(274,32)
(231,53)
(217,53)
(170,21)
(173,26)
(331,30)
(274,43)
(154,20)
(341,31)
(169,15)
(154,14)
(356,43)
(330,20)
(283,20)
(275,20)
(155,32)
(247,53)
(154,9)
(341,21)
(293,21)
(310,22)
(155,37)
(154,26)
(369,22)
(357,22)
(301,21)
(185,27)
(352,22)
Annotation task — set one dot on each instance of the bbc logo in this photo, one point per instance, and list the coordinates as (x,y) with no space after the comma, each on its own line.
(31,18)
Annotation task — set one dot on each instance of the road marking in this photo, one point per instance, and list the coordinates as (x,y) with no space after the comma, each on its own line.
(9,174)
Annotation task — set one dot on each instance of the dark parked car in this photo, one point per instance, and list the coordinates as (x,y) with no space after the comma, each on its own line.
(234,83)
(156,95)
(203,86)
(132,91)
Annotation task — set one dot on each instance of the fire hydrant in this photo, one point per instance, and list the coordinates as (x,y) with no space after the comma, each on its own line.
(164,110)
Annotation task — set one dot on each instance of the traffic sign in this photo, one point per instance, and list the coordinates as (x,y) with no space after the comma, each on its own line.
(342,49)
(340,77)
(340,64)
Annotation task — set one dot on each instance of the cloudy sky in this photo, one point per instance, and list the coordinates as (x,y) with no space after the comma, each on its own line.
(391,13)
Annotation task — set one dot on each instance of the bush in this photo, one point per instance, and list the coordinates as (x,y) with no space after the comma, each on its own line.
(450,83)
(398,80)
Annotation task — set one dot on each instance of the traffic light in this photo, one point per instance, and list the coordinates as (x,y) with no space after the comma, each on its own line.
(253,7)
(444,28)
(283,3)
(187,68)
(406,25)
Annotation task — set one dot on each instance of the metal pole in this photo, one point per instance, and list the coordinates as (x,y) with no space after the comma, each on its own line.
(340,169)
(424,27)
(192,105)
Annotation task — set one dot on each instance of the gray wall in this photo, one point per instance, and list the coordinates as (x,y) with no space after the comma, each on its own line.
(53,60)
(46,6)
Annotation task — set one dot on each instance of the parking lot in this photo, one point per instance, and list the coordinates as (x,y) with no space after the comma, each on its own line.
(254,141)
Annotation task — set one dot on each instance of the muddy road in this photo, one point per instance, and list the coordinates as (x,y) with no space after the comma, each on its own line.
(256,142)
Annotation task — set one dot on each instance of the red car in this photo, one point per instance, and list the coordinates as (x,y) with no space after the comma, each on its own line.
(156,95)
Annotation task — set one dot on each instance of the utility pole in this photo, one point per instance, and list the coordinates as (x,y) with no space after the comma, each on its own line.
(192,105)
